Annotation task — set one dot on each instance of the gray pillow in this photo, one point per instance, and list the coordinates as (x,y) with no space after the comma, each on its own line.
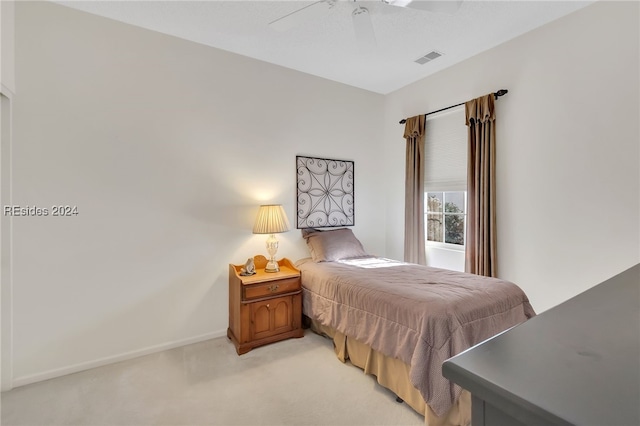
(334,244)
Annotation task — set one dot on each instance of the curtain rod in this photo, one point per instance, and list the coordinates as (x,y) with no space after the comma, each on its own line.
(499,93)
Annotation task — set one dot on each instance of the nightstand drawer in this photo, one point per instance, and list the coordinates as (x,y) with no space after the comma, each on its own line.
(271,288)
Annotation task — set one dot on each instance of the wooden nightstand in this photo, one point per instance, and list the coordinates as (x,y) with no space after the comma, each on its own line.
(265,307)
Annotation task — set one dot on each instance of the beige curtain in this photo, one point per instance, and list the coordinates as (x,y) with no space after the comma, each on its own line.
(481,253)
(414,250)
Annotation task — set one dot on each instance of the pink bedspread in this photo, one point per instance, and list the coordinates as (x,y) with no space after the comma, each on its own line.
(421,315)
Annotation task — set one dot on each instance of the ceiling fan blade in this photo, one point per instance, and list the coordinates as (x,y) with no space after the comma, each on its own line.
(318,9)
(363,27)
(441,6)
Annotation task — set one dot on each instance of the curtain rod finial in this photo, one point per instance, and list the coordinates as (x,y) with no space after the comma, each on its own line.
(404,120)
(501,92)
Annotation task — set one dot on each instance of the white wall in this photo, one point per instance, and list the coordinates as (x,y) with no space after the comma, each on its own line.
(568,148)
(167,148)
(7,89)
(439,257)
(7,45)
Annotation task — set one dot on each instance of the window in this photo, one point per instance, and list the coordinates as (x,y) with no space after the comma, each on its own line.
(446,214)
(446,179)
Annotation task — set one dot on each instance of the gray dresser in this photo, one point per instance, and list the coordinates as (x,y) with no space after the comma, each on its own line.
(575,364)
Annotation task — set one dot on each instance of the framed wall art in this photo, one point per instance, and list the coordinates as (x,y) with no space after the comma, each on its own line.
(324,193)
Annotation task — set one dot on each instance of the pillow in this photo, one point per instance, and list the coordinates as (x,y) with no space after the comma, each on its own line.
(334,244)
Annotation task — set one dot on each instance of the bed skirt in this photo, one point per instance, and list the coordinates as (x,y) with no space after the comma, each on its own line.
(393,374)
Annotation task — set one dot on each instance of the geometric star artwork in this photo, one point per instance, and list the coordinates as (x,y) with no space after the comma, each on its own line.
(325,193)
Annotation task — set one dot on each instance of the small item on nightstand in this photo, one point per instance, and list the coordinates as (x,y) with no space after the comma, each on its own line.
(249,268)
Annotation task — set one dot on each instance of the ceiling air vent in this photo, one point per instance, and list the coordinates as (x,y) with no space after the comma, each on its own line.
(428,57)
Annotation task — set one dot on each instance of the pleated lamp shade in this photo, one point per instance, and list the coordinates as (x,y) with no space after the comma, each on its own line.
(271,219)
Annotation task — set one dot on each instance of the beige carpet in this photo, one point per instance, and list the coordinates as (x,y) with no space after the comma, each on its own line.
(293,382)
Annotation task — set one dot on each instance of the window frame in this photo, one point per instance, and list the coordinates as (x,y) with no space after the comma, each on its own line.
(442,244)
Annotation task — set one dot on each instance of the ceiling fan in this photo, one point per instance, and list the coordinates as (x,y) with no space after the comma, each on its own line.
(361,19)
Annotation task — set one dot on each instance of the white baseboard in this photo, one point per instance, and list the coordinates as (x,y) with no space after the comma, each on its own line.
(33,378)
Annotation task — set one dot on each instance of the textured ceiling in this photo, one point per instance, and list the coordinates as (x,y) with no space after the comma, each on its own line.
(327,47)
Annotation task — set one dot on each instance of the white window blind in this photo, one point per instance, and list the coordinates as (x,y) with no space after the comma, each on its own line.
(446,151)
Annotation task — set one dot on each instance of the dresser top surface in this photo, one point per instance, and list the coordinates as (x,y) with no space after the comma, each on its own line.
(577,363)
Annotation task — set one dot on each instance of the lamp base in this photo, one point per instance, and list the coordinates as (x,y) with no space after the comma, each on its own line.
(272,249)
(272,266)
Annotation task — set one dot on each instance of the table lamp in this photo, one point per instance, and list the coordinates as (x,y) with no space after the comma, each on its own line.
(271,220)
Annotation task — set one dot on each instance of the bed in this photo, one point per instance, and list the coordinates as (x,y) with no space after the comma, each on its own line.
(401,321)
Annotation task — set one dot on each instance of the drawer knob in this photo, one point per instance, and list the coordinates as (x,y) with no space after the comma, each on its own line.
(273,288)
